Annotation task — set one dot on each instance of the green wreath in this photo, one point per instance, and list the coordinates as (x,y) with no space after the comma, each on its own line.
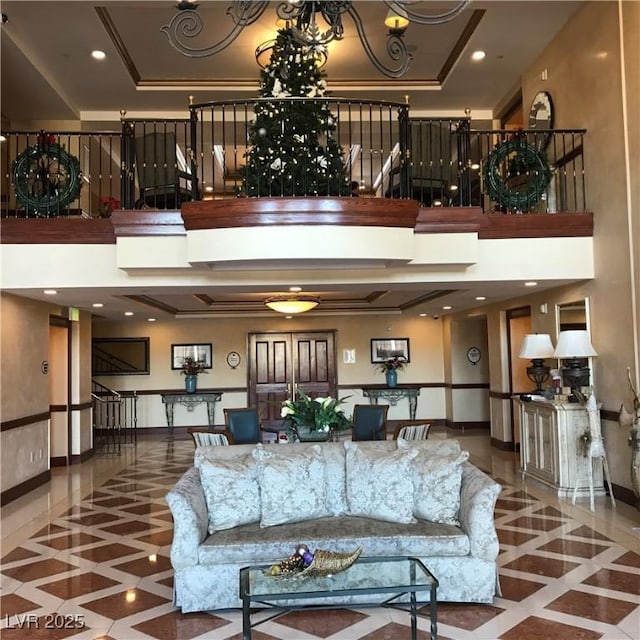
(46,178)
(522,159)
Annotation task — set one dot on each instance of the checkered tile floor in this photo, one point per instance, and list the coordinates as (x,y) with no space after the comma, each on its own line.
(100,570)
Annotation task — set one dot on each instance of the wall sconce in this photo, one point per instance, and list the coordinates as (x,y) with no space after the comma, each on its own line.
(574,346)
(536,347)
(397,20)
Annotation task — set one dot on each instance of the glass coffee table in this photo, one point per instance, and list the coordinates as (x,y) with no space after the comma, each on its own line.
(394,577)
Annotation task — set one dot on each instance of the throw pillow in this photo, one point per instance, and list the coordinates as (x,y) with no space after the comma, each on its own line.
(231,491)
(437,480)
(379,483)
(293,485)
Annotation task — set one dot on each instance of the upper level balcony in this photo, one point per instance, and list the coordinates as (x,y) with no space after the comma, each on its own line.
(292,161)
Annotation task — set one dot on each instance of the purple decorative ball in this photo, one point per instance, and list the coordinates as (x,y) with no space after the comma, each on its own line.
(307,558)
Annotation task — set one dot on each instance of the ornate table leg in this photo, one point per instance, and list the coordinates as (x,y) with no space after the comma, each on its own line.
(211,412)
(168,409)
(413,405)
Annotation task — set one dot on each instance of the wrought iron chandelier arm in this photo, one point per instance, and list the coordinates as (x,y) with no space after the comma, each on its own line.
(189,24)
(419,18)
(396,49)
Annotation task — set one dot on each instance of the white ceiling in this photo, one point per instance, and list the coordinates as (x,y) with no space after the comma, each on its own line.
(47,74)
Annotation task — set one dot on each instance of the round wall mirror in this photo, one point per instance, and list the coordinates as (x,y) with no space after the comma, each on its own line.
(541,116)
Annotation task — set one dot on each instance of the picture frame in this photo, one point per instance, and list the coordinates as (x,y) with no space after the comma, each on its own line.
(200,351)
(384,348)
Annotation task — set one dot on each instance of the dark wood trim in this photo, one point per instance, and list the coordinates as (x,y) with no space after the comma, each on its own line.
(58,461)
(572,155)
(147,222)
(537,225)
(450,220)
(625,495)
(24,487)
(59,321)
(466,424)
(467,385)
(461,43)
(118,43)
(255,212)
(510,108)
(83,457)
(82,406)
(7,425)
(500,395)
(58,408)
(57,231)
(503,445)
(608,414)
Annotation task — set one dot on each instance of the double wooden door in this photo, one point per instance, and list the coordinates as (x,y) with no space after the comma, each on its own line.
(280,364)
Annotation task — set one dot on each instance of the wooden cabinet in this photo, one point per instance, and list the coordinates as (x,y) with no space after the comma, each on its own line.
(549,451)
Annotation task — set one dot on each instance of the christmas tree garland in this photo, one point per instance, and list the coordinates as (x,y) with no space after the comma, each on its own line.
(522,159)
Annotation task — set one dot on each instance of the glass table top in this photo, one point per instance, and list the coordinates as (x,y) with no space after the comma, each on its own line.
(367,575)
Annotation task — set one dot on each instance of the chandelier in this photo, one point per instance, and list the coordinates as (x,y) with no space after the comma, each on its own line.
(312,23)
(291,304)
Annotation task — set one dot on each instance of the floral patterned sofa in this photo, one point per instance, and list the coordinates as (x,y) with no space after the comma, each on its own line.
(248,504)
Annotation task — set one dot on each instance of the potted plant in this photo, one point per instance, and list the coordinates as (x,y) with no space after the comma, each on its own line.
(390,367)
(191,368)
(315,419)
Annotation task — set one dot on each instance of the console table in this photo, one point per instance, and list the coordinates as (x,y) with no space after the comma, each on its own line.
(393,394)
(190,401)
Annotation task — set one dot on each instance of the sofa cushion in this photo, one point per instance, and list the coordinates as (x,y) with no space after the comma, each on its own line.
(292,484)
(379,483)
(343,533)
(231,491)
(437,480)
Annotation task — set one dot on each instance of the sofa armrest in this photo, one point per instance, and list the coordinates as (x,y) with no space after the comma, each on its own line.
(190,519)
(478,496)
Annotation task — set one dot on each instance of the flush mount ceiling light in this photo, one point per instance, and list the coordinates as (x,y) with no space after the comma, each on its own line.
(292,303)
(313,24)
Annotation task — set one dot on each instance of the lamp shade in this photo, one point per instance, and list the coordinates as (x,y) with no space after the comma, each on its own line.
(536,346)
(574,344)
(292,304)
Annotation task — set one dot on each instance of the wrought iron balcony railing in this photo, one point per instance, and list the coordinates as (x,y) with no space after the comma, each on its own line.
(291,147)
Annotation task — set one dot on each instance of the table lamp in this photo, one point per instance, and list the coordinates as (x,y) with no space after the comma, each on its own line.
(536,347)
(573,347)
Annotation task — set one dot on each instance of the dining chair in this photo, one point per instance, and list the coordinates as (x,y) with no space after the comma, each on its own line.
(412,431)
(369,422)
(203,437)
(243,425)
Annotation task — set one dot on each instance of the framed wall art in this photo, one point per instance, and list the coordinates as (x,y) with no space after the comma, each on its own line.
(384,348)
(201,352)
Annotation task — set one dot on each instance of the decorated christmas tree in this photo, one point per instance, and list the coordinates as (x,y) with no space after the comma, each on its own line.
(292,150)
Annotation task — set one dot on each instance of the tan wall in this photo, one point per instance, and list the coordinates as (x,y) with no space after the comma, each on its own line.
(354,333)
(24,345)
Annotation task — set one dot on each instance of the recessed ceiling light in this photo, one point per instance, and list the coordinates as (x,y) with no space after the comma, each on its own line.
(531,284)
(295,288)
(97,305)
(128,313)
(447,307)
(437,203)
(475,166)
(98,55)
(2,138)
(481,298)
(151,319)
(453,187)
(478,55)
(49,292)
(288,317)
(423,315)
(209,189)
